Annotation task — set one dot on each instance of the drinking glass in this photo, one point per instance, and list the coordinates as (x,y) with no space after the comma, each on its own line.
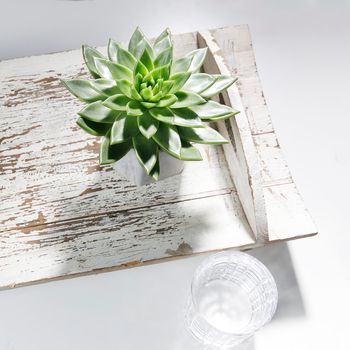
(232,296)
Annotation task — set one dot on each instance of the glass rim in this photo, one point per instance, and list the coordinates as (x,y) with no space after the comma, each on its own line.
(268,275)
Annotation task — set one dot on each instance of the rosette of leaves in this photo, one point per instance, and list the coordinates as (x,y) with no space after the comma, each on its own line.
(142,98)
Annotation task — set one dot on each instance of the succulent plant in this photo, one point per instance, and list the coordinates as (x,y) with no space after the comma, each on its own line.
(141,98)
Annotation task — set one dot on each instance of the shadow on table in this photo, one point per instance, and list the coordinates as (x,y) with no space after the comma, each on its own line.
(187,342)
(278,260)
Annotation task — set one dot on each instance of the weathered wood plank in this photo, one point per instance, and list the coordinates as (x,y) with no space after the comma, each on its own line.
(42,115)
(62,215)
(240,153)
(281,204)
(54,196)
(284,202)
(129,237)
(26,194)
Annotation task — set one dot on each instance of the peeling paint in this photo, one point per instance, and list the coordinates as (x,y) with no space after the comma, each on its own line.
(183,249)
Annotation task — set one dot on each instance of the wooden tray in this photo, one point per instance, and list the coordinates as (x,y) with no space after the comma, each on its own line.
(61,214)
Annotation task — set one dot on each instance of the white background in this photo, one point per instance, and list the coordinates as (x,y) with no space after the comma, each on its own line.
(303,56)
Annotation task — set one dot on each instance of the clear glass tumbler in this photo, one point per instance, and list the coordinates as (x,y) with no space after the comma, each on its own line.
(232,296)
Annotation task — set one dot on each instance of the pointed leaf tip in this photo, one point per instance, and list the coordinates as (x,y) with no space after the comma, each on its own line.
(189,152)
(111,153)
(89,55)
(168,139)
(112,50)
(162,42)
(111,70)
(134,109)
(198,57)
(187,99)
(212,110)
(93,128)
(99,113)
(117,102)
(205,135)
(84,90)
(198,82)
(146,151)
(221,83)
(148,126)
(123,129)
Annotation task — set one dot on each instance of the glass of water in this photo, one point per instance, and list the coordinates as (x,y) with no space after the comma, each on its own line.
(232,296)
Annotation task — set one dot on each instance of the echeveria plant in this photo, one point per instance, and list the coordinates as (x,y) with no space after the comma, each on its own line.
(141,98)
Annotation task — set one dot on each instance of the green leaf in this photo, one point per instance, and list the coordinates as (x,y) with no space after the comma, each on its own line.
(138,43)
(118,54)
(107,86)
(167,100)
(156,97)
(138,81)
(123,129)
(89,55)
(164,58)
(125,87)
(167,86)
(205,135)
(110,70)
(165,33)
(181,65)
(93,128)
(129,90)
(181,117)
(198,57)
(146,93)
(148,126)
(146,59)
(187,99)
(141,47)
(146,152)
(198,82)
(140,69)
(186,117)
(117,102)
(212,110)
(133,108)
(158,87)
(162,42)
(189,152)
(221,83)
(135,39)
(112,50)
(112,153)
(168,139)
(158,73)
(148,105)
(179,80)
(163,115)
(156,170)
(84,90)
(97,112)
(125,58)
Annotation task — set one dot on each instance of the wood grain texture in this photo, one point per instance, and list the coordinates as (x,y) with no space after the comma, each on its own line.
(240,153)
(61,214)
(269,196)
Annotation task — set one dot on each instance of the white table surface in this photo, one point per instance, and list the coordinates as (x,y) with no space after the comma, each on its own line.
(303,56)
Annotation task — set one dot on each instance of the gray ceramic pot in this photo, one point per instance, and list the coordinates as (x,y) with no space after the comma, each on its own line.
(130,168)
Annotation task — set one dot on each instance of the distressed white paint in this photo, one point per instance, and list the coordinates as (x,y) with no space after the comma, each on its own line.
(240,153)
(61,214)
(269,197)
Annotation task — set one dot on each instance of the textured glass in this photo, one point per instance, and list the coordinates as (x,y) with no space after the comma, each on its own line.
(232,296)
